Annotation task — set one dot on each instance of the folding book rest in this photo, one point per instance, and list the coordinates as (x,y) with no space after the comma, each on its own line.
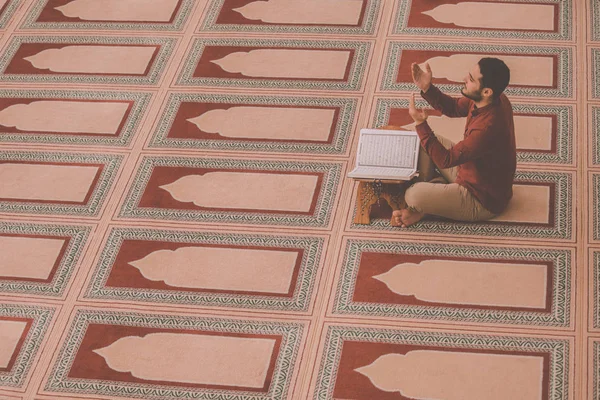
(369,198)
(371,192)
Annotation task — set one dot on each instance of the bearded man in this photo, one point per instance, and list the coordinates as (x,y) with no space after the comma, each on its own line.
(476,173)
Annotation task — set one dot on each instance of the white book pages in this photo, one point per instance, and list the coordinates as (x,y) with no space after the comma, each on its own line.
(386,154)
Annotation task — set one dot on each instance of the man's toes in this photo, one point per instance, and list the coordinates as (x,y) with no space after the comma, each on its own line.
(410,217)
(396,219)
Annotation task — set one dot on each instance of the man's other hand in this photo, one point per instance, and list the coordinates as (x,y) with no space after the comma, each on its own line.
(419,116)
(421,78)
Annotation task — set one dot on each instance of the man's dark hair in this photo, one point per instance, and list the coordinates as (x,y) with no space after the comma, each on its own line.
(495,75)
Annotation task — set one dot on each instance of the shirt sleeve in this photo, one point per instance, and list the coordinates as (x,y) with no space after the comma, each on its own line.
(476,145)
(449,106)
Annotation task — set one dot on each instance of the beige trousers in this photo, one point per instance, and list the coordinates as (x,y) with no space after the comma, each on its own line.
(448,199)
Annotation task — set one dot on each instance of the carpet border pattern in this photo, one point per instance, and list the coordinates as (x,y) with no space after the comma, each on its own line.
(339,143)
(41,318)
(331,171)
(353,83)
(59,381)
(78,236)
(158,65)
(177,25)
(140,104)
(559,316)
(367,28)
(564,113)
(564,89)
(564,26)
(561,229)
(336,335)
(9,12)
(300,301)
(111,164)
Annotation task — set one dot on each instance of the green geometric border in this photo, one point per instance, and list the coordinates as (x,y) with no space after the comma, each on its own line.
(564,87)
(166,46)
(140,103)
(367,28)
(300,300)
(59,380)
(338,145)
(564,25)
(596,369)
(595,73)
(41,316)
(595,203)
(92,208)
(559,315)
(323,210)
(595,131)
(562,229)
(564,139)
(359,63)
(176,25)
(595,19)
(13,5)
(336,335)
(78,236)
(595,284)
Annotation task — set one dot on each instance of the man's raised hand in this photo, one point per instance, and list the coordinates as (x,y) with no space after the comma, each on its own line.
(421,78)
(419,116)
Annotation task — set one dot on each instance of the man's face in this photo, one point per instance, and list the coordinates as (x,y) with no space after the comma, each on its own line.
(472,89)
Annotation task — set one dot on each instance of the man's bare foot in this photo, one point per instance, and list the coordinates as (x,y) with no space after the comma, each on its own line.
(405,217)
(396,219)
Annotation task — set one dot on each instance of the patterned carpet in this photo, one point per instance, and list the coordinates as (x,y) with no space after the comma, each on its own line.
(176,221)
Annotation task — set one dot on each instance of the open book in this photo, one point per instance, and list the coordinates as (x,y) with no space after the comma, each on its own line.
(386,154)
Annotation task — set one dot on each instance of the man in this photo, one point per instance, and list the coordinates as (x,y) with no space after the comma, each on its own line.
(479,170)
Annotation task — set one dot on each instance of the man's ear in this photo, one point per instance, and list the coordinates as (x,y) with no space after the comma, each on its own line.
(487,92)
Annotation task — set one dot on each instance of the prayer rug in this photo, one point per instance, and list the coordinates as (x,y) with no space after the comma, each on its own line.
(541,72)
(543,133)
(529,286)
(49,59)
(23,330)
(150,15)
(71,117)
(45,257)
(234,191)
(258,123)
(363,363)
(281,64)
(541,208)
(236,271)
(56,183)
(530,20)
(310,16)
(156,356)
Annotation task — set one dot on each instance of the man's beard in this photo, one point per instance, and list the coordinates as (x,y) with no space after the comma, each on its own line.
(473,96)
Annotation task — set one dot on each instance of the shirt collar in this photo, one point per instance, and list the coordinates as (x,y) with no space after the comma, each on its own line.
(476,111)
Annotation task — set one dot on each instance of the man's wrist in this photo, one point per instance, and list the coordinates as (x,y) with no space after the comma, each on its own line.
(426,89)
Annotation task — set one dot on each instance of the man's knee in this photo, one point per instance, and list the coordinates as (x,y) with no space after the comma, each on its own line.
(416,194)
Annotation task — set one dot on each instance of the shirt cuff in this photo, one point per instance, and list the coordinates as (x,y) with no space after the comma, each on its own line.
(430,94)
(424,130)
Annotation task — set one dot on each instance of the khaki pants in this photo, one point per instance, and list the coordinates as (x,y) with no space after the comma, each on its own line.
(449,199)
